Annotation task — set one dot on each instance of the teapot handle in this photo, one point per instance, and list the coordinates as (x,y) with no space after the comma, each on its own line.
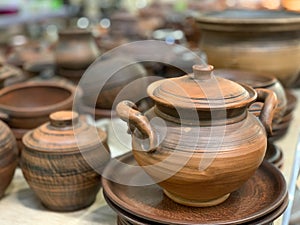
(269,99)
(128,112)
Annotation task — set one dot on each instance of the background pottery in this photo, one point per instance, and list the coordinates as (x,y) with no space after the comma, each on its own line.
(258,41)
(8,157)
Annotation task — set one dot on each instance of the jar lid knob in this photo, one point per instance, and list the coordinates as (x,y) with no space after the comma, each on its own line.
(63,118)
(202,72)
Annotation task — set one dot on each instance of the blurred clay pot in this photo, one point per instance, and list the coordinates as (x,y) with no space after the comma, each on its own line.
(8,157)
(200,137)
(112,80)
(28,105)
(75,49)
(62,161)
(257,80)
(260,41)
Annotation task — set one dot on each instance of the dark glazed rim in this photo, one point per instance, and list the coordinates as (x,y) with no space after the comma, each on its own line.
(255,20)
(42,110)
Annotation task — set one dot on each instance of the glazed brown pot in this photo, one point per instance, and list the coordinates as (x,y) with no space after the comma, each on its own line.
(28,105)
(259,41)
(201,144)
(114,77)
(8,157)
(56,164)
(257,80)
(75,49)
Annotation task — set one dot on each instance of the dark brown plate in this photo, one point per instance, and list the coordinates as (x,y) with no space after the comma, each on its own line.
(125,218)
(260,195)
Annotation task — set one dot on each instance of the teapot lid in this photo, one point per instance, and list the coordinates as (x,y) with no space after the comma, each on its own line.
(201,90)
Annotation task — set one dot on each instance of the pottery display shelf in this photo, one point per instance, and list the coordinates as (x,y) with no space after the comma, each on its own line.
(21,206)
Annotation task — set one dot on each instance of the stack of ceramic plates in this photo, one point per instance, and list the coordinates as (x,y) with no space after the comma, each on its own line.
(281,128)
(261,200)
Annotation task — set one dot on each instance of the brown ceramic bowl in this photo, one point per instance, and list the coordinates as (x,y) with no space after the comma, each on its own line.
(27,105)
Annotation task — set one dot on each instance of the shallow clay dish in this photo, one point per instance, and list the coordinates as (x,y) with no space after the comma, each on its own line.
(263,193)
(125,218)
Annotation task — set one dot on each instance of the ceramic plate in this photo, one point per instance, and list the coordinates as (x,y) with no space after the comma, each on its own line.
(125,218)
(260,195)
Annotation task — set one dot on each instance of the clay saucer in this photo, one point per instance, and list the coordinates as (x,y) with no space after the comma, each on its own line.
(263,193)
(125,218)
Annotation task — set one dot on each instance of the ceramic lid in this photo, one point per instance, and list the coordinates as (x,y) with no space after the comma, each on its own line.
(201,90)
(66,132)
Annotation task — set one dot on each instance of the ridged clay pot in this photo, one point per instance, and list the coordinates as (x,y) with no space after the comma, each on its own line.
(201,143)
(8,157)
(61,169)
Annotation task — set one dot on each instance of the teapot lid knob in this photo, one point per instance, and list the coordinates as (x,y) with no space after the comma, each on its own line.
(202,72)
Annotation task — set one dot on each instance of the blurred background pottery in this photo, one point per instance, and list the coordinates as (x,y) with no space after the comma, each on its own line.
(110,81)
(256,40)
(25,106)
(8,157)
(183,157)
(28,105)
(75,49)
(62,161)
(257,80)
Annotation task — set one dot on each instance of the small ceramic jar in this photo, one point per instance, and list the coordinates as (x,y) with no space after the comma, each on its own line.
(8,157)
(62,161)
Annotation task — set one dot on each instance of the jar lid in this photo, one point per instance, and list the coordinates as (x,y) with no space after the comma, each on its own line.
(201,90)
(66,132)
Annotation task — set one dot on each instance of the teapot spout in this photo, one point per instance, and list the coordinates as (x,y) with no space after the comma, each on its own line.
(128,112)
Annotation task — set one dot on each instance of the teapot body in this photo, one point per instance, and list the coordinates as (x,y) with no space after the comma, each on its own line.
(201,165)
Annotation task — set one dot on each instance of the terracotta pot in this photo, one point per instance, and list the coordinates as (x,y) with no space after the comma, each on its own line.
(57,166)
(75,49)
(8,157)
(114,81)
(200,137)
(259,41)
(28,105)
(257,80)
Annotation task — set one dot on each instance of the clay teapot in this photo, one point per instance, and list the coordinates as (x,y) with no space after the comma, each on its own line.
(199,142)
(57,165)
